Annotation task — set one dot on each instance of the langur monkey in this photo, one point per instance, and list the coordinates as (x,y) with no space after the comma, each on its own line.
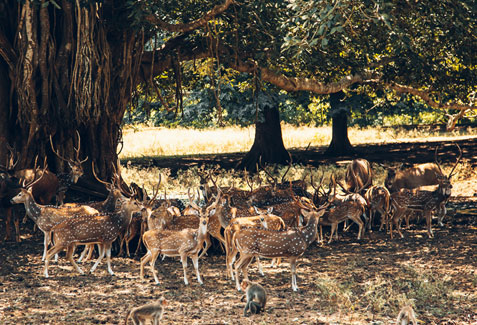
(256,297)
(406,316)
(152,311)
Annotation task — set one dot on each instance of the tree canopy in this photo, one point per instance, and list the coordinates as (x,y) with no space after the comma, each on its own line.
(76,65)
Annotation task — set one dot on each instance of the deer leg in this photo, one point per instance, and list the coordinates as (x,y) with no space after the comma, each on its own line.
(441,213)
(69,256)
(259,265)
(293,273)
(184,266)
(153,259)
(8,221)
(242,264)
(146,258)
(46,241)
(333,229)
(100,257)
(195,261)
(428,216)
(83,253)
(108,258)
(208,243)
(52,251)
(16,223)
(360,223)
(138,244)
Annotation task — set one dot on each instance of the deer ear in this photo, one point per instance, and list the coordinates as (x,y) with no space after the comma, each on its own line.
(305,213)
(30,189)
(270,210)
(211,212)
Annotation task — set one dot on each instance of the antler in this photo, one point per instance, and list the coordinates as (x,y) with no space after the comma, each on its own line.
(35,180)
(457,162)
(274,179)
(75,161)
(192,200)
(288,169)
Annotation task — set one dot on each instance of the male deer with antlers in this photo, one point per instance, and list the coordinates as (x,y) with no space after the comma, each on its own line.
(289,244)
(184,243)
(101,229)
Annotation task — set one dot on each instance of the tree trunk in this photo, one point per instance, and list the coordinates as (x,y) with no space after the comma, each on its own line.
(64,71)
(268,144)
(340,145)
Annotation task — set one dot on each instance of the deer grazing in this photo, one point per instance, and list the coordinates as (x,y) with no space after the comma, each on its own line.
(291,243)
(359,176)
(101,229)
(184,243)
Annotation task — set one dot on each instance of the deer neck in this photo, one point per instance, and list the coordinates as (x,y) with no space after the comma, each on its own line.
(125,216)
(308,232)
(32,208)
(221,212)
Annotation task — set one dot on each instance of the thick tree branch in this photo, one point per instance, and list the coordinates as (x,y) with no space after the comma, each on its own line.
(427,98)
(300,84)
(183,28)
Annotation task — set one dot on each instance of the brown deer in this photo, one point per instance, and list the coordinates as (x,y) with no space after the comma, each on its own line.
(359,176)
(184,243)
(291,243)
(100,229)
(422,175)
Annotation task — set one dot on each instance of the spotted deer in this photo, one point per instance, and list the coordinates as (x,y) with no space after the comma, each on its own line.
(263,221)
(184,243)
(291,243)
(101,229)
(378,198)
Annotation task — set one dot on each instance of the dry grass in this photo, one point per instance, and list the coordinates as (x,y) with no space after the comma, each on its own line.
(149,141)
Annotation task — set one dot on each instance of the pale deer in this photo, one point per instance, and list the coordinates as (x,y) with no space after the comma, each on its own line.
(291,243)
(101,229)
(184,243)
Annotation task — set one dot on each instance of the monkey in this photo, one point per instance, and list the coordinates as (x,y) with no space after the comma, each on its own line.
(406,316)
(152,311)
(253,291)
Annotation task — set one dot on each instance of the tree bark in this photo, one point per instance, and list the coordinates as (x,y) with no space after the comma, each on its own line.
(340,145)
(268,144)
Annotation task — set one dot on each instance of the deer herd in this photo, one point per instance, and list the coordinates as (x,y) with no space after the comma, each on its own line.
(278,220)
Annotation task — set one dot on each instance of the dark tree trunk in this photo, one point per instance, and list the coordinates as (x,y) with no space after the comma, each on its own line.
(340,145)
(268,142)
(64,71)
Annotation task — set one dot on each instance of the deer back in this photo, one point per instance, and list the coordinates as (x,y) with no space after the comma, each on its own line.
(45,189)
(413,177)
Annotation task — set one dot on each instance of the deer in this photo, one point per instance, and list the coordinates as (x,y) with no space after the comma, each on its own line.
(422,175)
(101,229)
(75,164)
(43,190)
(378,198)
(46,217)
(359,176)
(184,243)
(291,243)
(265,221)
(342,208)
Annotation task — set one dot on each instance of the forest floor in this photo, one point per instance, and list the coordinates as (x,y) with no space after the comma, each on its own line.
(348,281)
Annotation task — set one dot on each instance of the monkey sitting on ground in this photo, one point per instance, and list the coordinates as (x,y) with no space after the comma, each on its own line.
(152,311)
(406,316)
(256,297)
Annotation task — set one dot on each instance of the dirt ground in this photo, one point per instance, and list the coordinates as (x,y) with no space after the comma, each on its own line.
(349,281)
